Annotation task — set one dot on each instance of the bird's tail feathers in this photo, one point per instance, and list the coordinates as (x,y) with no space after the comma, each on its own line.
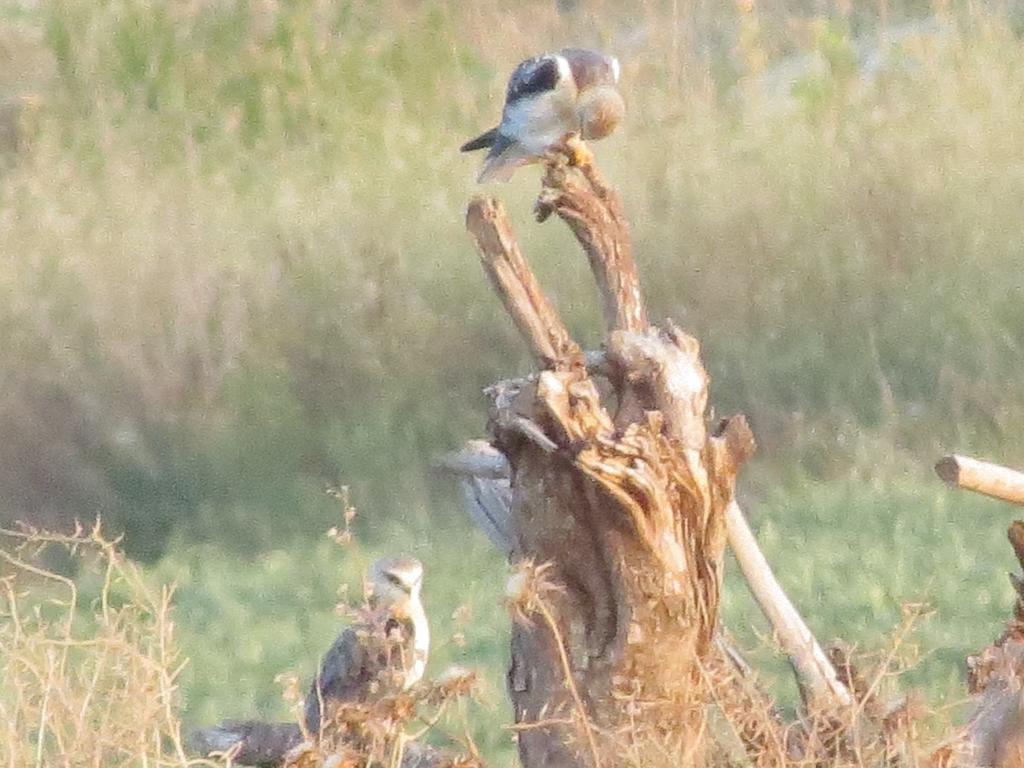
(503,160)
(259,743)
(483,141)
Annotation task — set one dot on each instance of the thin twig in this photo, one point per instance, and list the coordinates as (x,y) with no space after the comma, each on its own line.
(550,722)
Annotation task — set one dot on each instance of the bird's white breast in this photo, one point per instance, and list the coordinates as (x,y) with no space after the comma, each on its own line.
(540,121)
(420,644)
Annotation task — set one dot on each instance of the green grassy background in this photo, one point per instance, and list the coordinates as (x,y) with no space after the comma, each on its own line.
(850,557)
(233,272)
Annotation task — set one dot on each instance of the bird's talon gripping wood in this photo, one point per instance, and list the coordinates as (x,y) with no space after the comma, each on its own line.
(579,153)
(627,513)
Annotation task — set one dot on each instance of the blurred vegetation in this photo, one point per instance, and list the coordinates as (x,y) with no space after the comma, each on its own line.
(91,672)
(233,272)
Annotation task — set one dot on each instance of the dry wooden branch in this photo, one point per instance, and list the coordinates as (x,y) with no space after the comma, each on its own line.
(513,281)
(483,475)
(477,458)
(651,487)
(816,675)
(574,188)
(982,477)
(649,492)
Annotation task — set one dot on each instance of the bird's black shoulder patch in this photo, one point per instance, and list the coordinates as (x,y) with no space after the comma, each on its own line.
(533,76)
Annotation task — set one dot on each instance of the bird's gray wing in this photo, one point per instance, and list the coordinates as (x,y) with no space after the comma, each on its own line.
(489,502)
(345,675)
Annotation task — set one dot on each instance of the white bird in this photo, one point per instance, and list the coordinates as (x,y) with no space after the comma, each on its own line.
(550,97)
(354,668)
(359,667)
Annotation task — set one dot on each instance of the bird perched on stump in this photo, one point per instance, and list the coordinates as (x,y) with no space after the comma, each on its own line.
(386,652)
(549,97)
(383,653)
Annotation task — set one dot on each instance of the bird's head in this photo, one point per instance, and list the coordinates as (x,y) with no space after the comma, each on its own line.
(591,69)
(394,583)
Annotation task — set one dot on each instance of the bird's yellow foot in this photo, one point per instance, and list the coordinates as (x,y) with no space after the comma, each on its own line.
(579,153)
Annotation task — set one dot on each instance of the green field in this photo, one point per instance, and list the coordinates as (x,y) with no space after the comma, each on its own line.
(233,273)
(850,556)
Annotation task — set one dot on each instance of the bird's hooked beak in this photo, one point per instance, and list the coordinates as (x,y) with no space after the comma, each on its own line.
(401,596)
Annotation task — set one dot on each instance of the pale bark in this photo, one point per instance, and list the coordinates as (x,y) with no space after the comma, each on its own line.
(593,211)
(516,286)
(817,678)
(982,477)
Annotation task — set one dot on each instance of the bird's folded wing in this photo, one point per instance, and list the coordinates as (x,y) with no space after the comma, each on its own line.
(345,674)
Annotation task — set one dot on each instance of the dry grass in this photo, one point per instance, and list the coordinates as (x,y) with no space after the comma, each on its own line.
(233,268)
(89,676)
(887,725)
(89,672)
(88,669)
(389,731)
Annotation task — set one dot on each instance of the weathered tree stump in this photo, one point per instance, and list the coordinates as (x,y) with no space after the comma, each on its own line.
(614,500)
(995,730)
(618,501)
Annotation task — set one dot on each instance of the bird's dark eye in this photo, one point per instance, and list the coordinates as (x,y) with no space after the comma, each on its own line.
(396,581)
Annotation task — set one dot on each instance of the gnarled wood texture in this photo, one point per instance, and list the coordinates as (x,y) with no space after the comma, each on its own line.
(624,501)
(483,474)
(582,198)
